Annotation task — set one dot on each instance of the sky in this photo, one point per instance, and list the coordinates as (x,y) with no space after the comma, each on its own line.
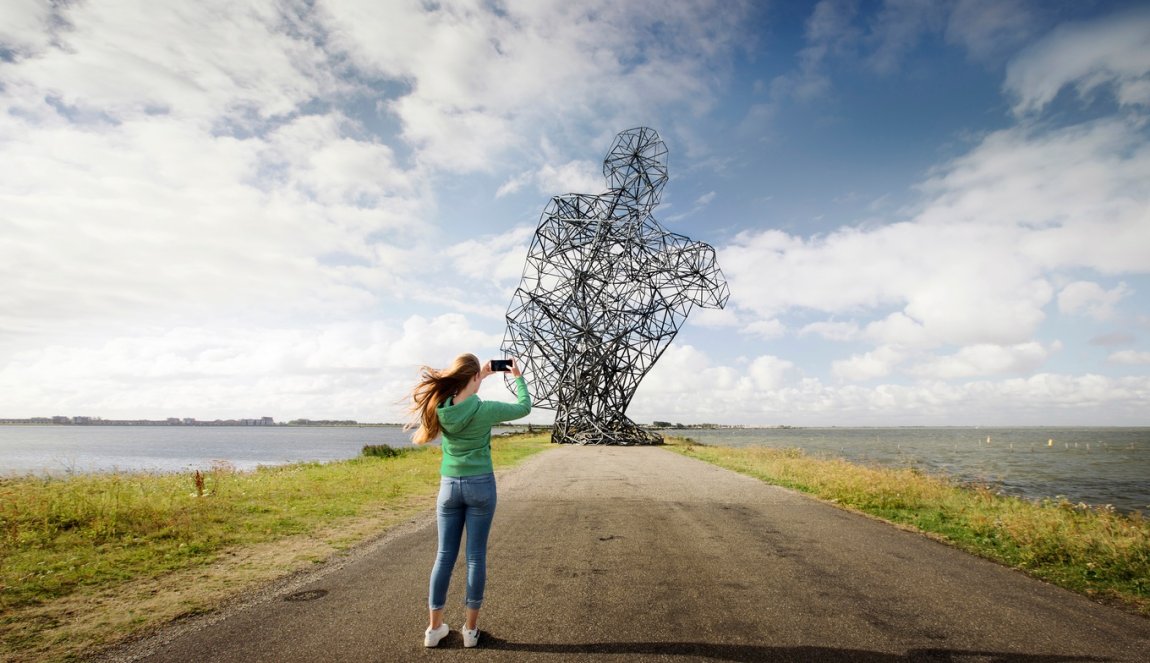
(927,212)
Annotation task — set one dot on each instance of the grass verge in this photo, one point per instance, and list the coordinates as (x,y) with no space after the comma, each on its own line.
(1094,551)
(89,559)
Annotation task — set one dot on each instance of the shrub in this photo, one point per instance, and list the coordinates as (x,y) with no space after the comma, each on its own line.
(383,451)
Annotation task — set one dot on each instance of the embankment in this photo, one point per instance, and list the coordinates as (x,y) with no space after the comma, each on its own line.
(1093,551)
(88,559)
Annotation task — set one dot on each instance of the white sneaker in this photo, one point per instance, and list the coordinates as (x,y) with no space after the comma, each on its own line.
(431,637)
(470,636)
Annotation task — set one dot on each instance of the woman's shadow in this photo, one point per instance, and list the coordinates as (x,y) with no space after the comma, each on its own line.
(761,653)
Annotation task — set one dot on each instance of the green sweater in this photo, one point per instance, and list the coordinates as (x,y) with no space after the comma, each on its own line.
(467,430)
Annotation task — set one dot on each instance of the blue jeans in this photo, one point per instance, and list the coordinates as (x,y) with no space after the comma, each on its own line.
(470,502)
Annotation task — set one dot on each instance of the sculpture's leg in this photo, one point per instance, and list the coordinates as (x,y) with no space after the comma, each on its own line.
(580,426)
(626,432)
(560,429)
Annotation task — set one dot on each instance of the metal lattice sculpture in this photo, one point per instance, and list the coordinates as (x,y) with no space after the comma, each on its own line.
(604,291)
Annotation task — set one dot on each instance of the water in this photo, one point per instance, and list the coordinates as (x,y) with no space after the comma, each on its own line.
(65,449)
(1094,466)
(83,449)
(1091,465)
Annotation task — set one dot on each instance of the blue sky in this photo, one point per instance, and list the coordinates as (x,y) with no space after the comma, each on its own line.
(929,213)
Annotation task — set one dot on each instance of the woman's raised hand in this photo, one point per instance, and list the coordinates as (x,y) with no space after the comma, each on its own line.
(486,369)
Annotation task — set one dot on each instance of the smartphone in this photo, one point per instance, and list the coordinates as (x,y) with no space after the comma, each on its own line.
(501,364)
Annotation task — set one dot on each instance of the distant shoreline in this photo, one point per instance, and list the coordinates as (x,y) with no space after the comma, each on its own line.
(108,423)
(198,424)
(247,423)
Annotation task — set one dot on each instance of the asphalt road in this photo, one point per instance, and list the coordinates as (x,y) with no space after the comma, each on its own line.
(639,554)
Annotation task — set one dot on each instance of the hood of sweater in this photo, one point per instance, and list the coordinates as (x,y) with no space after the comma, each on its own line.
(454,417)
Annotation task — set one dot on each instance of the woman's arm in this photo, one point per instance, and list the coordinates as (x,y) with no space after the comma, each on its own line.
(495,412)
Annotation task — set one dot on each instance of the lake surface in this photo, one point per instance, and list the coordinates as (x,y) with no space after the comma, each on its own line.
(65,449)
(1091,465)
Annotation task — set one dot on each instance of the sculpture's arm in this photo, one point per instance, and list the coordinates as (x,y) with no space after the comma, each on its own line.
(708,286)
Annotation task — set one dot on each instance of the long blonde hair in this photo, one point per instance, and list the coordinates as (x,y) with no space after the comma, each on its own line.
(433,389)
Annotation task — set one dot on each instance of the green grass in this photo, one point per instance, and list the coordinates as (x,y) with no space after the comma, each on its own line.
(1093,551)
(60,537)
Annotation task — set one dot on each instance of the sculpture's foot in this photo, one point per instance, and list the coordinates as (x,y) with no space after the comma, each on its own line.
(619,433)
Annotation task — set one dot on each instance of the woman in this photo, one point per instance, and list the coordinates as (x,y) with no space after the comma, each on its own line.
(447,403)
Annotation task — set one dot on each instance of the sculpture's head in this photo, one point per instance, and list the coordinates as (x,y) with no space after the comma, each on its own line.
(636,167)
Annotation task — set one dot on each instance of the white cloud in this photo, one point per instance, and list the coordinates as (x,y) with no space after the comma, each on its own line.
(1091,299)
(1110,51)
(1076,197)
(141,181)
(765,329)
(182,167)
(976,262)
(960,290)
(680,369)
(200,198)
(498,259)
(215,59)
(770,373)
(571,177)
(713,318)
(157,219)
(713,392)
(577,176)
(318,156)
(1113,339)
(959,283)
(348,369)
(899,329)
(982,360)
(1130,357)
(25,25)
(832,331)
(514,184)
(482,82)
(436,341)
(877,363)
